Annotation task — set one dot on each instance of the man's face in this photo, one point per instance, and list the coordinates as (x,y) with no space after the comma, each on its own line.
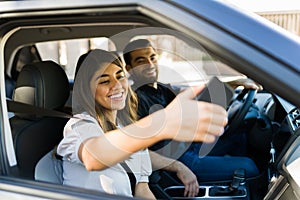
(143,66)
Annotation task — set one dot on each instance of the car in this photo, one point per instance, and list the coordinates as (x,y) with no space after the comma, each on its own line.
(196,40)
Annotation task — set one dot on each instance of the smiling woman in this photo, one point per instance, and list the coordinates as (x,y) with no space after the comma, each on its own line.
(97,102)
(102,96)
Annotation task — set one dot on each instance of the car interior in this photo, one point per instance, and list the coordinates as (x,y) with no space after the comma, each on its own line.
(39,89)
(35,135)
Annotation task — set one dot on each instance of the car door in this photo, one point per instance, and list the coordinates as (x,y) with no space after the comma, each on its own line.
(286,185)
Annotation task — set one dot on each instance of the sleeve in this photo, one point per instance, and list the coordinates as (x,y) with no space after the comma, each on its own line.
(76,131)
(146,167)
(140,165)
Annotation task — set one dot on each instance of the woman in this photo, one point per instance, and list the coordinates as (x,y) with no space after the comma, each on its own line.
(99,136)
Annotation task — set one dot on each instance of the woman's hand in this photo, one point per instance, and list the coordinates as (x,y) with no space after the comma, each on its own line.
(191,120)
(189,180)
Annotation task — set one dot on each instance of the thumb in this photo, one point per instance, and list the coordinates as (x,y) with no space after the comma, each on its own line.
(191,92)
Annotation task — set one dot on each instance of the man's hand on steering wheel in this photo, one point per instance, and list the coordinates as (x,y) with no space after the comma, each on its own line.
(246,82)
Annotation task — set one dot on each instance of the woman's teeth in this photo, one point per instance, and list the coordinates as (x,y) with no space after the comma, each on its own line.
(114,96)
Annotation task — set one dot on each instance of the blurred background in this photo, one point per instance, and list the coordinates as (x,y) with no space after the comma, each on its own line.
(285,13)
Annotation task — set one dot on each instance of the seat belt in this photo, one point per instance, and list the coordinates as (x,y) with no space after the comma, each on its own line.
(23,108)
(130,175)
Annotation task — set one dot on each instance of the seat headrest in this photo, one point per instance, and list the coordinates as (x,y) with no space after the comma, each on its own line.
(43,84)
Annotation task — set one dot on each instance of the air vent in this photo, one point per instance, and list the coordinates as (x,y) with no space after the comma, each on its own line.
(295,114)
(295,118)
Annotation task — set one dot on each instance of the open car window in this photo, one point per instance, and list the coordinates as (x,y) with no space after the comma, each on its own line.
(67,52)
(189,63)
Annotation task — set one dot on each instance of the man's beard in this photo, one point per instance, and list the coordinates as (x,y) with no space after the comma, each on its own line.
(140,81)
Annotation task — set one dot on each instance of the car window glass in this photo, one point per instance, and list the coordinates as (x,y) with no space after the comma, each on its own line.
(67,52)
(24,55)
(188,65)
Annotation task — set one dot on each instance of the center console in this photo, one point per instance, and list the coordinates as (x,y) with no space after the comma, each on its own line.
(235,189)
(209,192)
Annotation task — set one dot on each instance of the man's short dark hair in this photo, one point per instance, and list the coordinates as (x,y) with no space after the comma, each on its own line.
(134,45)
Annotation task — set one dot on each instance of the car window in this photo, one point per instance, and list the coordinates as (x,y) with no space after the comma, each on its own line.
(67,52)
(24,55)
(188,65)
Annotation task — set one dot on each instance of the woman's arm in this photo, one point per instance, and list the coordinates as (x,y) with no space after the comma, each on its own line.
(142,190)
(187,177)
(184,119)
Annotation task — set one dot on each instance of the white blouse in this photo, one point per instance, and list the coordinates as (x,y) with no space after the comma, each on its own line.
(113,180)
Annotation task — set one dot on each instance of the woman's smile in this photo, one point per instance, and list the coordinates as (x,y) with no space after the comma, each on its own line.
(112,88)
(116,96)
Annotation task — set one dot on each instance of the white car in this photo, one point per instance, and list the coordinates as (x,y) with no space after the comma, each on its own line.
(196,40)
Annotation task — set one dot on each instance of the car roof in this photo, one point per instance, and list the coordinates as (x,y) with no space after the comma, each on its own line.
(18,6)
(256,30)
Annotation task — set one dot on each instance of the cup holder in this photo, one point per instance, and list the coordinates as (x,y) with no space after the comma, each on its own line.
(209,192)
(177,192)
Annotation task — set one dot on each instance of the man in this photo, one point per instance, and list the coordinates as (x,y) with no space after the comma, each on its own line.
(141,62)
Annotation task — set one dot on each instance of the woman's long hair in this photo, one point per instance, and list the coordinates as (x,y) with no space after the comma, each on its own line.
(83,99)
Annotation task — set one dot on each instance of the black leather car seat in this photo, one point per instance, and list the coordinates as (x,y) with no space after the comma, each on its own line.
(44,85)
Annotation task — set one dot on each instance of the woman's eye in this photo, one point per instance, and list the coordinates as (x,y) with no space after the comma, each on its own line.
(121,76)
(103,82)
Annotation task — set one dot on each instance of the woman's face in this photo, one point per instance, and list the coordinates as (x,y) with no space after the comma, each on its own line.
(111,87)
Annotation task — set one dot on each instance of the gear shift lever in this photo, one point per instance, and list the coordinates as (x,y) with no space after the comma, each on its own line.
(238,179)
(233,188)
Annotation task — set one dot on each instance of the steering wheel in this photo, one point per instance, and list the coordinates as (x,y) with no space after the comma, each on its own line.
(238,109)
